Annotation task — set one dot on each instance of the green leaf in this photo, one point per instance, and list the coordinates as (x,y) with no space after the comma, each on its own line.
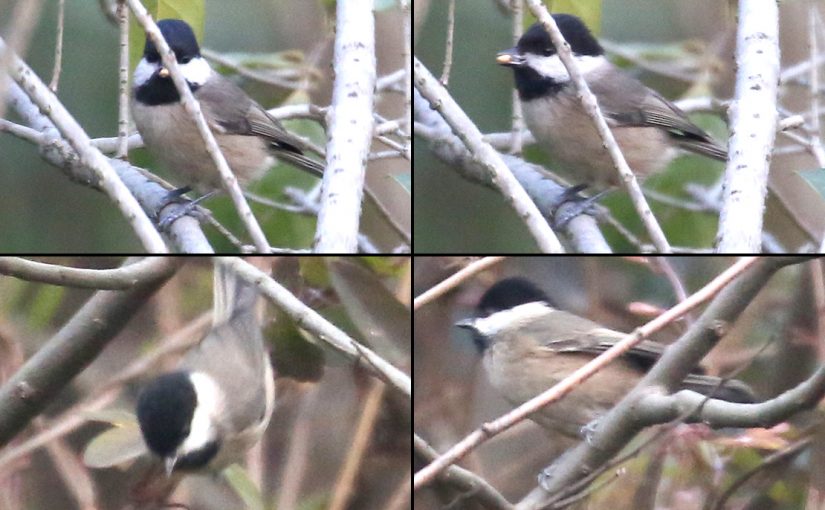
(385,5)
(295,352)
(590,11)
(239,480)
(45,304)
(405,180)
(815,179)
(114,447)
(314,271)
(116,417)
(266,60)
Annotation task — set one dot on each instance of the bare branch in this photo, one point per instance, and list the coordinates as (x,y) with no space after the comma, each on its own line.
(73,348)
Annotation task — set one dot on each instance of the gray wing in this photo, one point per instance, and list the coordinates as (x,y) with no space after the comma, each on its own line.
(561,331)
(232,111)
(233,351)
(234,356)
(640,106)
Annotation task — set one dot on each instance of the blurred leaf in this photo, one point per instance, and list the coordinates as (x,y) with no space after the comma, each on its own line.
(12,290)
(116,417)
(386,266)
(314,271)
(329,7)
(382,320)
(114,447)
(815,179)
(590,11)
(315,502)
(384,5)
(405,180)
(239,479)
(45,304)
(269,60)
(296,354)
(771,439)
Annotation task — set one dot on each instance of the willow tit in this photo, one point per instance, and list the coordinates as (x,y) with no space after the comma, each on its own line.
(216,405)
(248,136)
(528,346)
(649,129)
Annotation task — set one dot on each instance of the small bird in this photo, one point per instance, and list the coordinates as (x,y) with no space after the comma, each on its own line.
(216,405)
(249,137)
(528,346)
(649,129)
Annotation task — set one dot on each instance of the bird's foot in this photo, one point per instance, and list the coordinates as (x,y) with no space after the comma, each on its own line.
(588,430)
(179,206)
(572,204)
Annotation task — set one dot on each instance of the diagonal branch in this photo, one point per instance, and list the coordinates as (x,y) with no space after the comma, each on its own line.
(73,348)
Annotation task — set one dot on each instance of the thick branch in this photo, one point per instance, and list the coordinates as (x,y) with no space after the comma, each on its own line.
(99,279)
(351,123)
(72,349)
(753,119)
(92,158)
(659,408)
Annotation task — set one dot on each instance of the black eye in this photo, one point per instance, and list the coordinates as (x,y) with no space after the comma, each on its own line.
(548,52)
(185,60)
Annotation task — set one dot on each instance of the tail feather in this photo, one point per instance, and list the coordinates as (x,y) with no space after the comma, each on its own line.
(232,295)
(302,162)
(731,390)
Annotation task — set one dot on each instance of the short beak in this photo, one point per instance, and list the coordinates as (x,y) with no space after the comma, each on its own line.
(163,73)
(466,324)
(510,57)
(169,463)
(480,341)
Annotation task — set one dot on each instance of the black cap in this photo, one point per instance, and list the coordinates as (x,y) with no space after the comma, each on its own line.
(536,40)
(164,409)
(179,36)
(509,293)
(503,295)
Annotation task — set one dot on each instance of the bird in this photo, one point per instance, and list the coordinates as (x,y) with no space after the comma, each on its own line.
(650,130)
(528,345)
(250,139)
(205,414)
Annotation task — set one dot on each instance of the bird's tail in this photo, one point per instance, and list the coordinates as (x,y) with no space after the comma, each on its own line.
(731,390)
(232,295)
(303,162)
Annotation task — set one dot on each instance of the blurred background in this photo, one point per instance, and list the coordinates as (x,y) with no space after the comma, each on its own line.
(41,211)
(325,406)
(775,344)
(689,44)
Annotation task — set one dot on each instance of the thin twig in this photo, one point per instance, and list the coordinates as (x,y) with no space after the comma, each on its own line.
(58,46)
(448,45)
(345,485)
(450,283)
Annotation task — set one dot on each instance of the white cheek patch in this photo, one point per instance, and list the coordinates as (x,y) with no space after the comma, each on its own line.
(511,318)
(143,72)
(552,67)
(202,430)
(196,71)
